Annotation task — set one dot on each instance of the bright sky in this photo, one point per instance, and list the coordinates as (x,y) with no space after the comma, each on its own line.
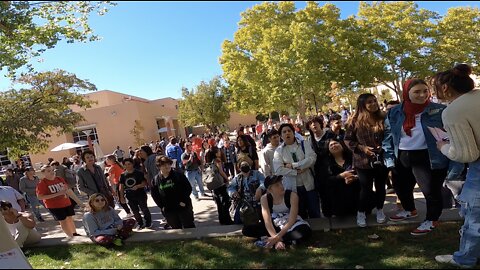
(152,49)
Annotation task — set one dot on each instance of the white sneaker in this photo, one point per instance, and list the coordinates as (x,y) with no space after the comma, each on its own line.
(361,219)
(449,259)
(381,218)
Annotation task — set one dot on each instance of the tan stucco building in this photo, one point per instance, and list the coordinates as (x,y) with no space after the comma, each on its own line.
(115,115)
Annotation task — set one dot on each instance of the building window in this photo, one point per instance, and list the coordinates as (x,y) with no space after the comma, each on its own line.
(81,135)
(176,107)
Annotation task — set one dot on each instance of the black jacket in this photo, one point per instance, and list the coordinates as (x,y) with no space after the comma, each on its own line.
(173,190)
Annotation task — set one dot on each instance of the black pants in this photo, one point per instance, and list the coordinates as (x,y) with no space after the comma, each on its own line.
(413,167)
(220,195)
(300,232)
(137,203)
(180,218)
(229,169)
(367,177)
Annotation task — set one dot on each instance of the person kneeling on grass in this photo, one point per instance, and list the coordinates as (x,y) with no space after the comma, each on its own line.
(103,225)
(282,224)
(20,224)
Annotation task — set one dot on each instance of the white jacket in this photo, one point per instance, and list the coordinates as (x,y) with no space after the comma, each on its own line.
(284,154)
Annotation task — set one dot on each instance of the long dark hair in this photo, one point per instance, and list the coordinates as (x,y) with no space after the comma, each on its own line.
(363,118)
(457,78)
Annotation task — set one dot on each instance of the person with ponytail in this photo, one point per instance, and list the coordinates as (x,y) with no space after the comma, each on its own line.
(411,151)
(462,124)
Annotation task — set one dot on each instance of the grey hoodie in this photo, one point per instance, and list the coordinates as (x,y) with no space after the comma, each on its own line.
(266,166)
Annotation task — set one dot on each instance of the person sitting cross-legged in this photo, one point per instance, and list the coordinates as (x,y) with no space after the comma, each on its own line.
(103,225)
(282,224)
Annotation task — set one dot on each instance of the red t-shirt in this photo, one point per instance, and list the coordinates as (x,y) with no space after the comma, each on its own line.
(116,171)
(48,187)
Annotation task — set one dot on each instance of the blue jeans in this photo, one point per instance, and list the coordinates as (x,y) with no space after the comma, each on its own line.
(34,204)
(469,249)
(308,203)
(194,177)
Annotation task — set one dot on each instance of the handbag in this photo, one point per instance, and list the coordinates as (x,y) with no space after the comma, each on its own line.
(248,213)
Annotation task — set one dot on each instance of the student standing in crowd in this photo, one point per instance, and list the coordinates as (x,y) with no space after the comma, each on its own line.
(213,158)
(364,136)
(192,165)
(91,178)
(319,142)
(460,120)
(28,186)
(411,149)
(246,152)
(294,161)
(175,191)
(132,186)
(114,172)
(230,157)
(268,152)
(55,194)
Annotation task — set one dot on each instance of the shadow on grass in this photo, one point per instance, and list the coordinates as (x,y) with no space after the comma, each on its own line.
(395,248)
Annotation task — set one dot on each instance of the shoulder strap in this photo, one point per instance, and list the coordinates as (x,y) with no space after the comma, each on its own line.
(287,198)
(270,202)
(303,146)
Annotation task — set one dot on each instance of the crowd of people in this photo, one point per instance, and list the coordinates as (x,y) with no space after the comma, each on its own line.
(277,175)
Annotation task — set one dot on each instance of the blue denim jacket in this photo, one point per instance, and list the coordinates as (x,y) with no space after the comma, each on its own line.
(431,117)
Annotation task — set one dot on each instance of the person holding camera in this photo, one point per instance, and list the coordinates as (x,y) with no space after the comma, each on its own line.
(247,185)
(342,188)
(364,136)
(411,149)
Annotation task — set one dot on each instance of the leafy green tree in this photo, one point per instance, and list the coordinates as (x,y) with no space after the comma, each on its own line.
(205,105)
(29,116)
(402,35)
(28,28)
(457,39)
(281,58)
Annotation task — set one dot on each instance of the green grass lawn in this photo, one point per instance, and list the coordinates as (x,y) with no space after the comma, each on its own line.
(395,248)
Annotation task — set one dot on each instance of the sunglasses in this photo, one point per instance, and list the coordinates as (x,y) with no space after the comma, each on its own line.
(99,200)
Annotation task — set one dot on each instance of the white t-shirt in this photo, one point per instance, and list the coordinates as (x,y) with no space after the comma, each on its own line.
(417,141)
(10,195)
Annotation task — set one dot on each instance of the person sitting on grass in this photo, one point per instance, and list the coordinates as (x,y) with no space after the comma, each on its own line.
(103,225)
(282,224)
(20,224)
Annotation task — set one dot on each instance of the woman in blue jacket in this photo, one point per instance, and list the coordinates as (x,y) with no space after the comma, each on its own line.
(411,151)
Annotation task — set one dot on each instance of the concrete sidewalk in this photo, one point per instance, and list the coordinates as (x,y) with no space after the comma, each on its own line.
(206,220)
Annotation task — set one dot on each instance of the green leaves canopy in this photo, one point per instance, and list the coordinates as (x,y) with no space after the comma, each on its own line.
(29,115)
(281,57)
(205,105)
(28,28)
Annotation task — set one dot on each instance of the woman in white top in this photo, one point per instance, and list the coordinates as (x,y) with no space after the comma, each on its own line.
(462,124)
(282,224)
(410,150)
(295,161)
(20,224)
